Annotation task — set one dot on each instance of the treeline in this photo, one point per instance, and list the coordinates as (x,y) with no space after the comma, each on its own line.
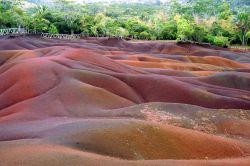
(213,21)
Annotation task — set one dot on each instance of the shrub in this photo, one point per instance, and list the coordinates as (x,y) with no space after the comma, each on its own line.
(169,31)
(199,34)
(221,41)
(144,35)
(218,40)
(184,28)
(53,29)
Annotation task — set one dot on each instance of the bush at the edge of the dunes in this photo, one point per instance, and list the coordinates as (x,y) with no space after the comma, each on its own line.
(220,41)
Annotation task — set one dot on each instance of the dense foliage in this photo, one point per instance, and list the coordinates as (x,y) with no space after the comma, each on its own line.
(215,21)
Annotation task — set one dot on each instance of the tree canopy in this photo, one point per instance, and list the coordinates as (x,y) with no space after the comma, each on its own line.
(218,22)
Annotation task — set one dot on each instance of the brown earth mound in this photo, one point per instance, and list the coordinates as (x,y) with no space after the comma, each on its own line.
(116,102)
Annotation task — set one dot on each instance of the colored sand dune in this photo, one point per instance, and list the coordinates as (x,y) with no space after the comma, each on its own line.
(113,102)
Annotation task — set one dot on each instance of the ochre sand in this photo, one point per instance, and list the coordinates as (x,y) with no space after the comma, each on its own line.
(102,101)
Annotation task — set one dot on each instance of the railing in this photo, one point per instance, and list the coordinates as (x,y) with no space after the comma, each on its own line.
(13,31)
(23,31)
(61,36)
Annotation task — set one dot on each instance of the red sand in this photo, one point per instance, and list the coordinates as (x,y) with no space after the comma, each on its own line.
(68,103)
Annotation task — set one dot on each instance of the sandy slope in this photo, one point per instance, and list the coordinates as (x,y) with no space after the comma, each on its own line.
(114,102)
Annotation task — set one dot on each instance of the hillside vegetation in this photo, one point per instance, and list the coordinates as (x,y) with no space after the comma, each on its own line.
(217,22)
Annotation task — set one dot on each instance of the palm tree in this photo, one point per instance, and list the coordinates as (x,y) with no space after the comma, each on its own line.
(243,25)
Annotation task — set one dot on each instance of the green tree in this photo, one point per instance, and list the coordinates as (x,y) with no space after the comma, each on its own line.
(144,35)
(199,34)
(69,13)
(87,23)
(38,23)
(53,29)
(243,26)
(184,28)
(11,14)
(168,31)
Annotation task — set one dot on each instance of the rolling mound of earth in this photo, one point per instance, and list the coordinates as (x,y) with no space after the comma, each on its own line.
(100,101)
